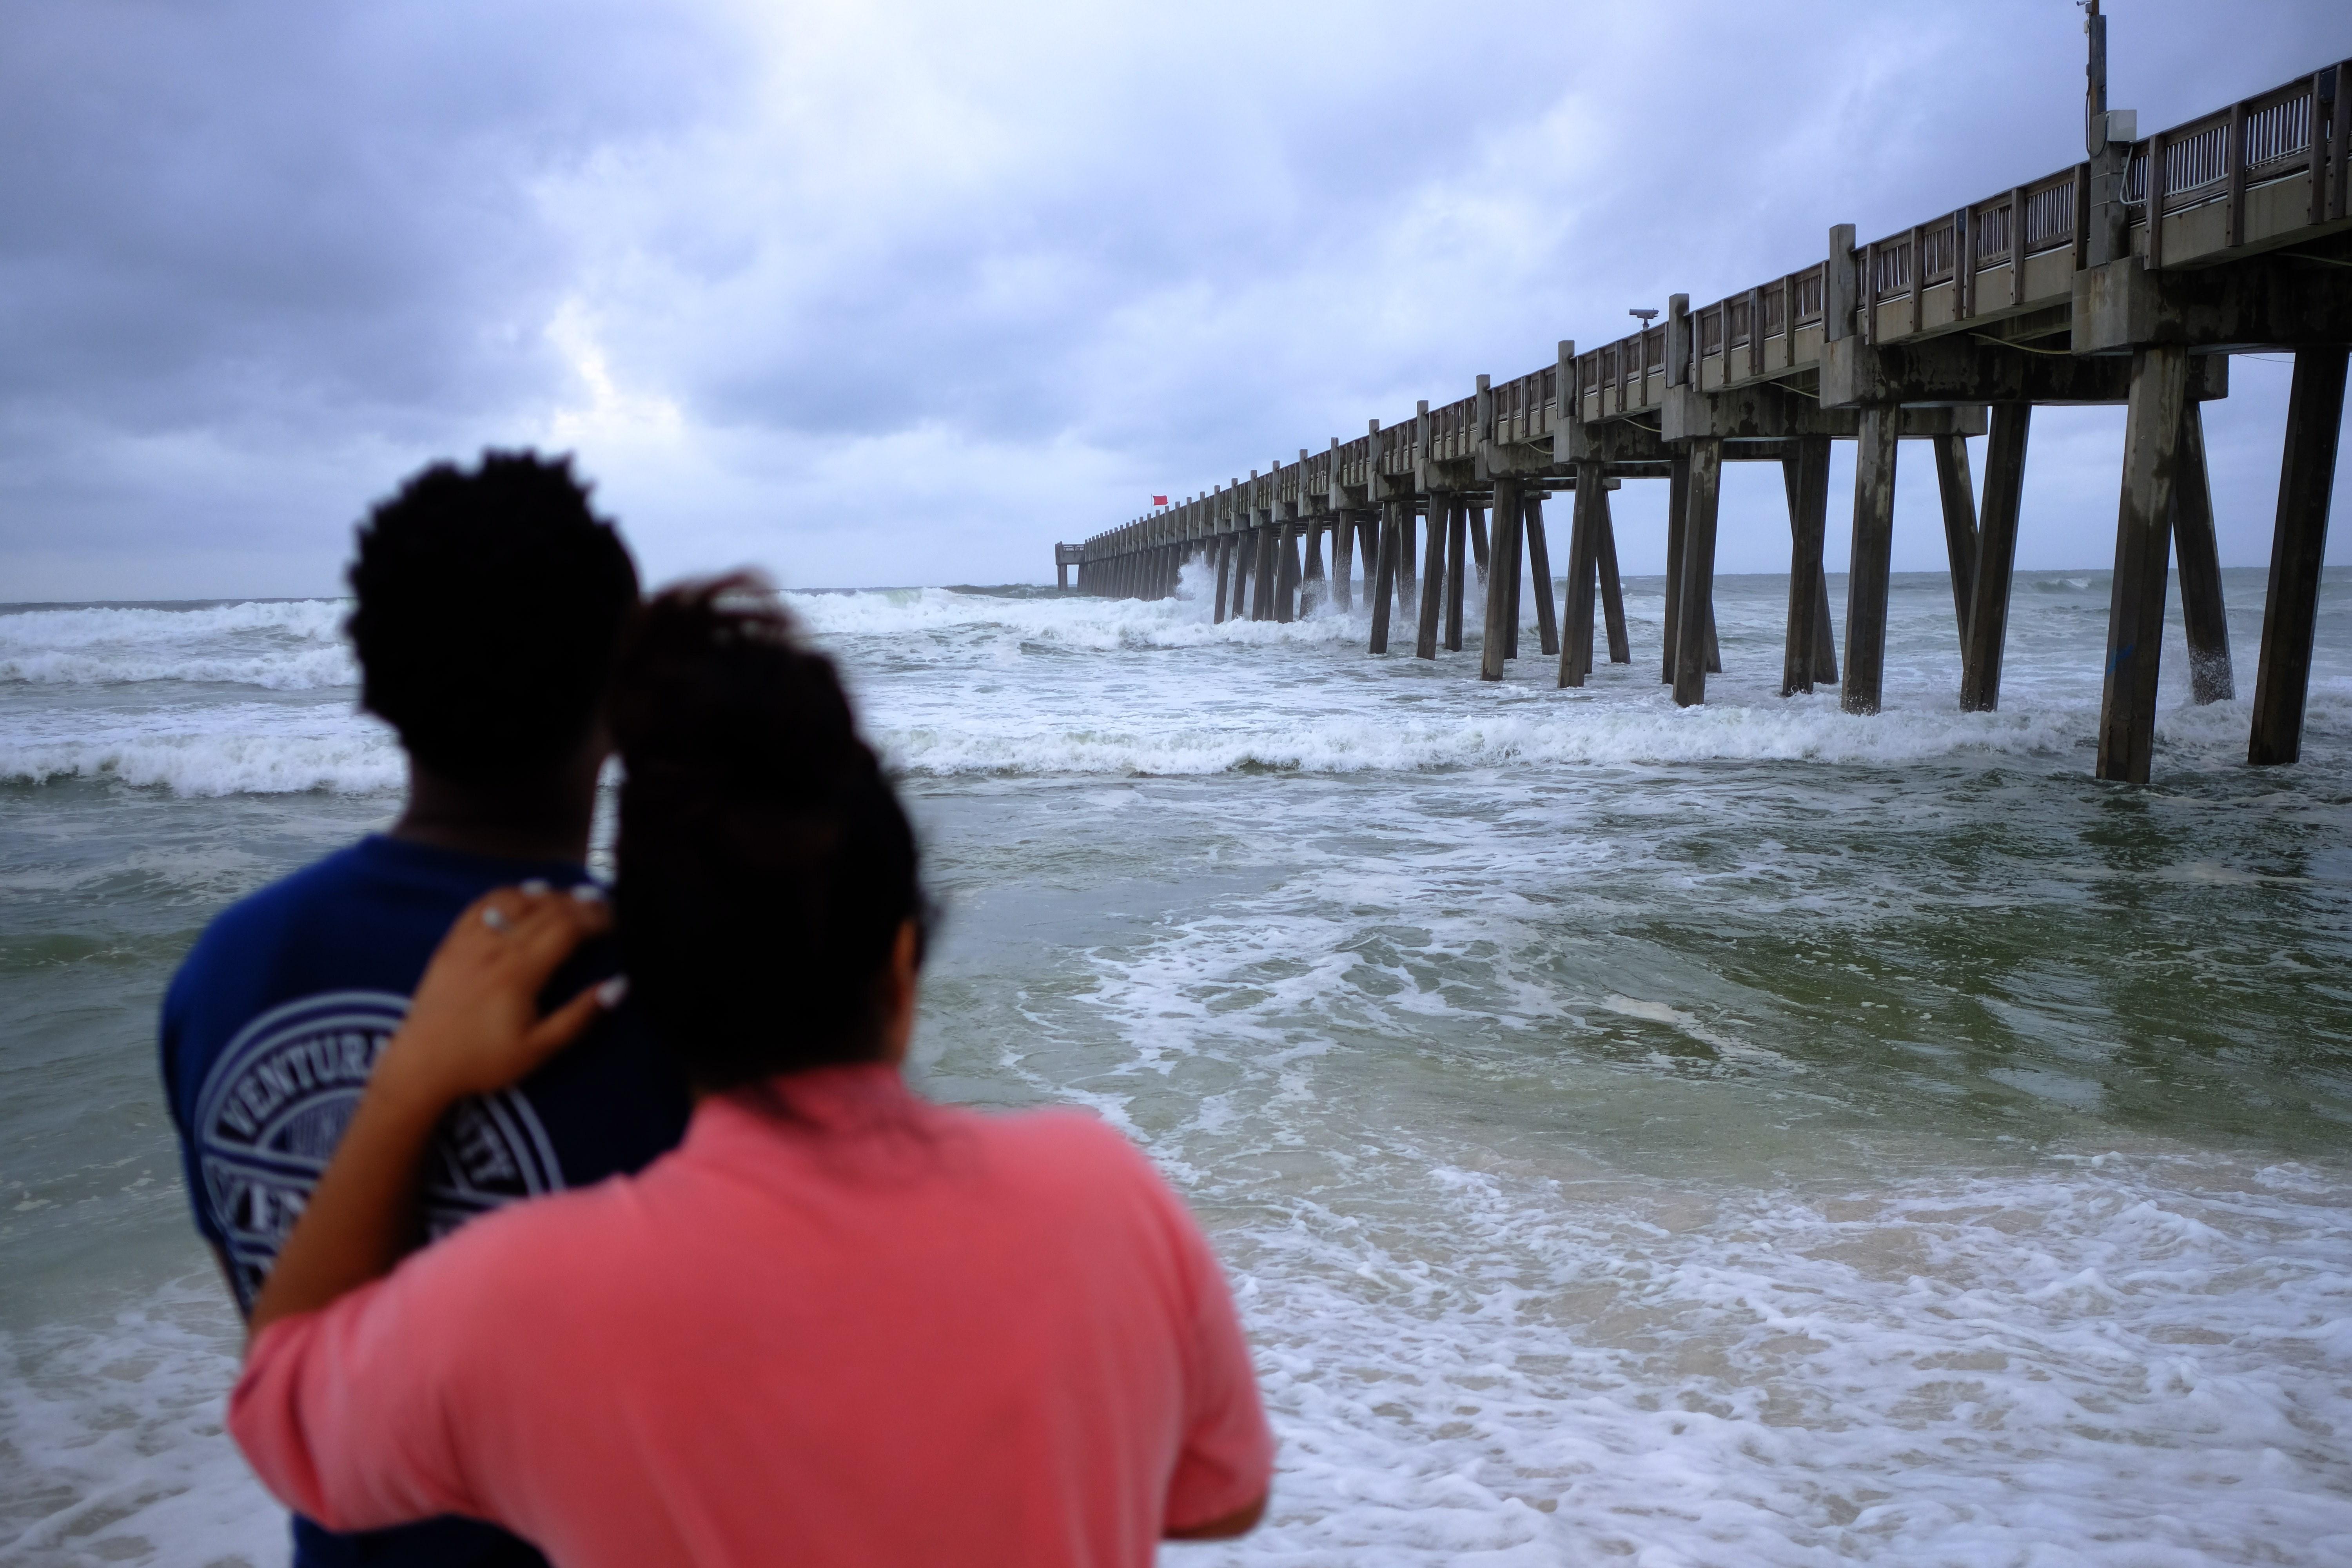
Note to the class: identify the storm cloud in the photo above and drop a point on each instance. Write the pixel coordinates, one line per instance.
(879, 294)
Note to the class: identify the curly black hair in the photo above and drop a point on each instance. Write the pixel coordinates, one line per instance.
(490, 603)
(764, 863)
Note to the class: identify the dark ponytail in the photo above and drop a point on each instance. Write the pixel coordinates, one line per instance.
(765, 864)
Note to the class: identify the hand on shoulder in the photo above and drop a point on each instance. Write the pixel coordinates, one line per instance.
(474, 1025)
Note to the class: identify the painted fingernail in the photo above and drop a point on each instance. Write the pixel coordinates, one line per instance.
(609, 995)
(534, 887)
(588, 892)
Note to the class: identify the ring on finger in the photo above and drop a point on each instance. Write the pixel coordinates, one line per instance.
(496, 917)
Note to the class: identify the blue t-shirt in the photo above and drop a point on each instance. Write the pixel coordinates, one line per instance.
(269, 1030)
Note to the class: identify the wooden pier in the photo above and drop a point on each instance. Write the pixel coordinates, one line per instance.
(2127, 279)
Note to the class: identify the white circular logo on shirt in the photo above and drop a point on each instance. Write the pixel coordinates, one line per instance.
(275, 1105)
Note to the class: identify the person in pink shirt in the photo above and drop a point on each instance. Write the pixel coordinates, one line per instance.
(839, 1325)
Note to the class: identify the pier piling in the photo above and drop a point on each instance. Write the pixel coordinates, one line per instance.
(2315, 421)
(2159, 387)
(1694, 617)
(1954, 487)
(1613, 589)
(1988, 618)
(1456, 569)
(1433, 577)
(1585, 526)
(1539, 578)
(1502, 571)
(2202, 612)
(1876, 446)
(1805, 475)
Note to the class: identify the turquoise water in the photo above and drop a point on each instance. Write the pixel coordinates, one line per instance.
(1747, 1134)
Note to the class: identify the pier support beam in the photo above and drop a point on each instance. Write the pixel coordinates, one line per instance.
(1876, 444)
(2159, 388)
(1478, 528)
(1384, 577)
(1408, 588)
(1805, 475)
(1613, 588)
(1503, 570)
(1694, 603)
(1539, 577)
(1319, 590)
(1986, 629)
(1458, 567)
(2314, 423)
(1677, 530)
(1513, 565)
(1285, 573)
(1432, 581)
(1343, 548)
(1266, 582)
(1958, 492)
(1585, 526)
(2202, 612)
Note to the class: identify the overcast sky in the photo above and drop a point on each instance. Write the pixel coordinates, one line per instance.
(903, 292)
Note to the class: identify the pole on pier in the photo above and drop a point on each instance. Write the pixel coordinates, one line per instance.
(1221, 550)
(1612, 590)
(1539, 577)
(1987, 627)
(1876, 446)
(2315, 422)
(1384, 578)
(1678, 532)
(2202, 612)
(1805, 475)
(1583, 570)
(1458, 567)
(1432, 581)
(1477, 529)
(1694, 603)
(1503, 569)
(2159, 388)
(1953, 483)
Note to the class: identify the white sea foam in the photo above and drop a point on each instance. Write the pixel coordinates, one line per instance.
(1482, 1343)
(115, 1451)
(2144, 1363)
(230, 749)
(286, 645)
(960, 683)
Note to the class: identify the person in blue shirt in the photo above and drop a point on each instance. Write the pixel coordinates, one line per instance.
(489, 603)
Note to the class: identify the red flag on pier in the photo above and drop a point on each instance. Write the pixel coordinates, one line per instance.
(1159, 501)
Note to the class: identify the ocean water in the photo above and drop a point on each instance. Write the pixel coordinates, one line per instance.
(1746, 1135)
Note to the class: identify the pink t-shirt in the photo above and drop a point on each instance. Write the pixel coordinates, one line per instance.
(872, 1330)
